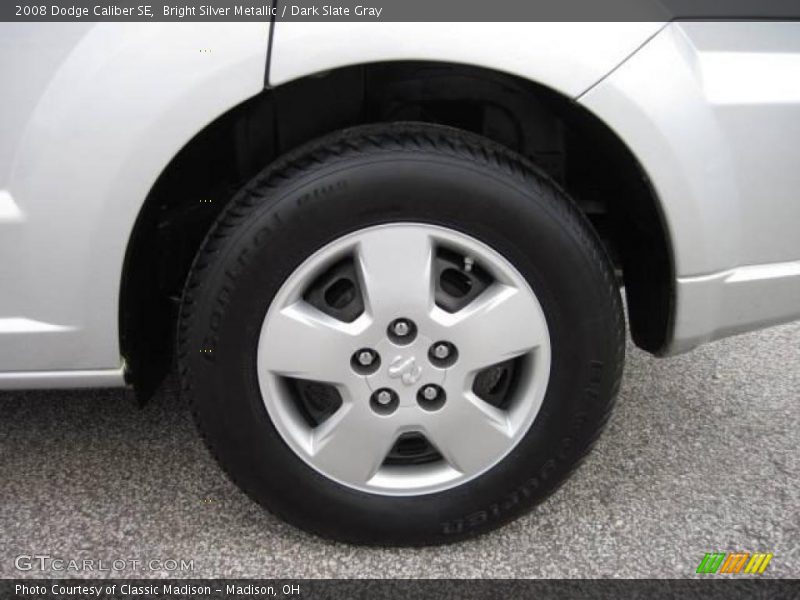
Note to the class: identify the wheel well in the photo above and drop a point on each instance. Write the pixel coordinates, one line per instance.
(576, 149)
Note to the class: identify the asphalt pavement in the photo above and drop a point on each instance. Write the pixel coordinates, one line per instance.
(702, 455)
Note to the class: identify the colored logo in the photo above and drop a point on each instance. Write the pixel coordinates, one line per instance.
(735, 562)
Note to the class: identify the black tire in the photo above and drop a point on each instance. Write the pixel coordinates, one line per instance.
(380, 174)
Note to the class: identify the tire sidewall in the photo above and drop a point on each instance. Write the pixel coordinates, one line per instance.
(256, 250)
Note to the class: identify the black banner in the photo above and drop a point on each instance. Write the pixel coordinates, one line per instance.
(378, 589)
(397, 10)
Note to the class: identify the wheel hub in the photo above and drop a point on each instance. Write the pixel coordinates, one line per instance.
(405, 369)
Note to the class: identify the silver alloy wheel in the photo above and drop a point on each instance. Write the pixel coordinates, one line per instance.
(394, 265)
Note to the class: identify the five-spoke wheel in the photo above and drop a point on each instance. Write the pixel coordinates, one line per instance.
(437, 312)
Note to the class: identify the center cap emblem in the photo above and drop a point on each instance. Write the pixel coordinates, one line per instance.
(405, 369)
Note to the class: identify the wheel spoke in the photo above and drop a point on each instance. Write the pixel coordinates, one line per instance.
(304, 343)
(502, 323)
(469, 433)
(352, 444)
(396, 271)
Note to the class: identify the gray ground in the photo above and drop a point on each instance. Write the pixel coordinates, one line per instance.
(701, 455)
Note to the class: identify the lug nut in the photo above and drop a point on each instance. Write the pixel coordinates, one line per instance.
(441, 351)
(402, 331)
(431, 397)
(443, 354)
(384, 401)
(429, 392)
(365, 361)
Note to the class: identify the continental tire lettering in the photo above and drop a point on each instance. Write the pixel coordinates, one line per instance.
(595, 372)
(221, 302)
(322, 191)
(510, 501)
(242, 257)
(528, 489)
(477, 518)
(451, 527)
(547, 469)
(262, 234)
(564, 447)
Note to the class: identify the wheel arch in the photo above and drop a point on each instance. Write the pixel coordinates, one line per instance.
(563, 138)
